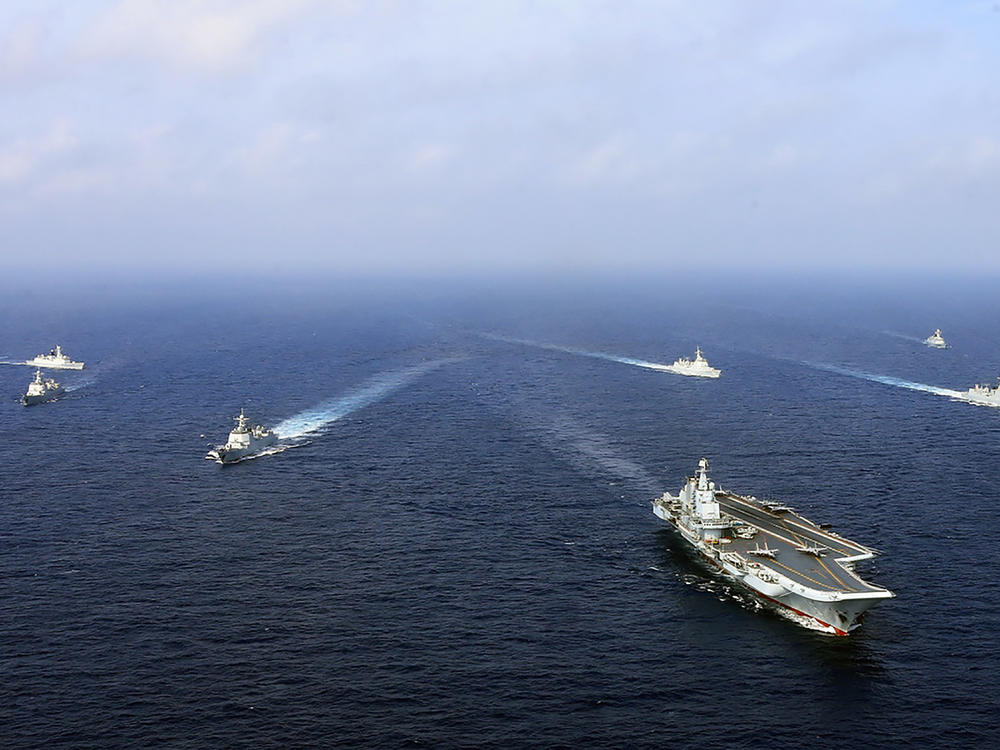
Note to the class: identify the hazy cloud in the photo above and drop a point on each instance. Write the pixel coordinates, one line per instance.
(506, 133)
(211, 36)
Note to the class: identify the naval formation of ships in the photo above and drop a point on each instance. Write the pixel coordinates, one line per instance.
(42, 389)
(787, 561)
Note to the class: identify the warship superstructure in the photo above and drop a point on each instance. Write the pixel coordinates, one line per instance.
(697, 367)
(246, 439)
(982, 395)
(55, 360)
(41, 390)
(936, 340)
(775, 553)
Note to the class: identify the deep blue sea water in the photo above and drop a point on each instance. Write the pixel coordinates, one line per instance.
(459, 549)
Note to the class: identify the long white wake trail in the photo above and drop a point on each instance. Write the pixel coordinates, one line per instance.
(904, 336)
(887, 380)
(377, 388)
(581, 352)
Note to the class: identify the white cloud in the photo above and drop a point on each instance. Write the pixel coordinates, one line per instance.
(612, 161)
(21, 160)
(464, 111)
(975, 158)
(431, 156)
(75, 180)
(276, 149)
(20, 48)
(214, 36)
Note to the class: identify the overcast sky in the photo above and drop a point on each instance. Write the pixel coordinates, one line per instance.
(512, 135)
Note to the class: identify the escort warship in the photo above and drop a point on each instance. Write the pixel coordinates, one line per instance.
(41, 390)
(779, 556)
(936, 340)
(245, 440)
(982, 395)
(698, 367)
(55, 360)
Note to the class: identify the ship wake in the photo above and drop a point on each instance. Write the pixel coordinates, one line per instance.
(887, 380)
(587, 448)
(82, 383)
(582, 352)
(904, 336)
(317, 418)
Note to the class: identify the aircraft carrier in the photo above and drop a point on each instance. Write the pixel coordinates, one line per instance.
(802, 568)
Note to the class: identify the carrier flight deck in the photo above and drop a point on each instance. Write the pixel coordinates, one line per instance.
(788, 534)
(779, 555)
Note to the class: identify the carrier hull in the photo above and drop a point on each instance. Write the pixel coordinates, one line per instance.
(787, 561)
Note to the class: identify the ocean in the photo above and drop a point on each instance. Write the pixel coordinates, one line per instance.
(455, 546)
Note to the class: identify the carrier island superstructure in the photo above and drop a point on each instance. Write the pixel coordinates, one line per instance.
(775, 553)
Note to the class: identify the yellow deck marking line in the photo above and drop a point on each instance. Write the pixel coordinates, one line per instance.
(818, 532)
(785, 539)
(793, 570)
(849, 588)
(788, 528)
(803, 575)
(798, 541)
(819, 559)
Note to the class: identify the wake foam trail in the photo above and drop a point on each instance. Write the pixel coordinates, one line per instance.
(581, 352)
(903, 336)
(887, 380)
(315, 419)
(82, 383)
(596, 448)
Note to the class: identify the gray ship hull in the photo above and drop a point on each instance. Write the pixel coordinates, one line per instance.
(224, 455)
(831, 617)
(50, 365)
(41, 399)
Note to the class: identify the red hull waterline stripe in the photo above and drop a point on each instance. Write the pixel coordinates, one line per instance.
(753, 591)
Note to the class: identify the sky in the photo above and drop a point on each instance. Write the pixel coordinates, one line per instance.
(499, 136)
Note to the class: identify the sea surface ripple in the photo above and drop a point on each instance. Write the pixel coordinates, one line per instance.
(464, 554)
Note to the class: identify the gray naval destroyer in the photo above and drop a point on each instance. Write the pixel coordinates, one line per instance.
(775, 553)
(245, 440)
(697, 367)
(55, 360)
(936, 340)
(41, 390)
(981, 395)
